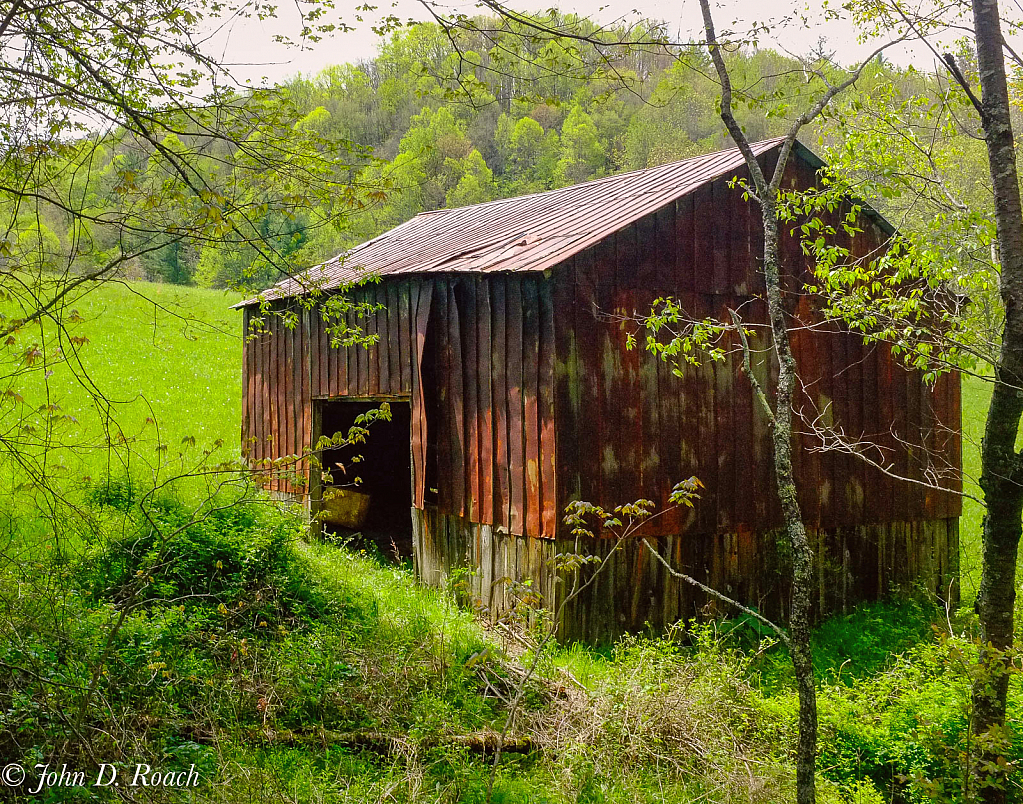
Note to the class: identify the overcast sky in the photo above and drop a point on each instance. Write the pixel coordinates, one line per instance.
(248, 46)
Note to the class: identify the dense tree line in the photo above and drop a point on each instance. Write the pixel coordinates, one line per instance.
(432, 121)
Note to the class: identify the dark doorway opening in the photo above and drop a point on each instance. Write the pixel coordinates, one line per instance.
(381, 467)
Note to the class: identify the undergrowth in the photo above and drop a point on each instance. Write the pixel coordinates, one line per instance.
(151, 630)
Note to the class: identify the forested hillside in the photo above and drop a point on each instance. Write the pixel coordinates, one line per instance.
(439, 121)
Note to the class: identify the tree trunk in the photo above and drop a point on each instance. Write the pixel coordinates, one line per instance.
(999, 479)
(802, 554)
(781, 416)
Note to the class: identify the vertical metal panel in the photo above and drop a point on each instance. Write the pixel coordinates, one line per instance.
(405, 338)
(367, 323)
(683, 282)
(305, 442)
(468, 336)
(592, 423)
(568, 376)
(700, 398)
(516, 439)
(350, 358)
(901, 498)
(311, 353)
(456, 476)
(376, 324)
(266, 344)
(724, 428)
(668, 442)
(530, 403)
(625, 387)
(270, 369)
(502, 491)
(739, 252)
(285, 413)
(443, 369)
(875, 482)
(853, 370)
(546, 382)
(320, 355)
(420, 293)
(610, 372)
(842, 471)
(393, 340)
(485, 412)
(764, 493)
(720, 239)
(294, 409)
(279, 379)
(248, 392)
(747, 449)
(741, 266)
(252, 348)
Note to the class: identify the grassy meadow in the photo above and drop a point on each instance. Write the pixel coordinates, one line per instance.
(289, 670)
(167, 357)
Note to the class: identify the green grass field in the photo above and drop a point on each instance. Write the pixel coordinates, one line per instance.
(168, 357)
(976, 394)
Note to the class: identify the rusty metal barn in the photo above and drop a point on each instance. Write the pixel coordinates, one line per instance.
(502, 354)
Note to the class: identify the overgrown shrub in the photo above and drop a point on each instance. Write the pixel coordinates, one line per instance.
(226, 556)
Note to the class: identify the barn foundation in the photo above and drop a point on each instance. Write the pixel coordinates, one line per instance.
(635, 593)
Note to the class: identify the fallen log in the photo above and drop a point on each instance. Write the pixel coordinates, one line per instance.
(481, 742)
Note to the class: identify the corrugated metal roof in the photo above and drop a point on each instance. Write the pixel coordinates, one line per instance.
(526, 233)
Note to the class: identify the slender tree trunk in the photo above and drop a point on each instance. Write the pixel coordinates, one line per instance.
(1000, 465)
(802, 554)
(781, 417)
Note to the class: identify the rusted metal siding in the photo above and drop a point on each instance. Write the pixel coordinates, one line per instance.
(276, 408)
(291, 362)
(628, 427)
(385, 367)
(538, 401)
(491, 345)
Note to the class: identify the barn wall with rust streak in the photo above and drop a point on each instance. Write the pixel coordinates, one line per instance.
(628, 427)
(538, 402)
(489, 346)
(276, 406)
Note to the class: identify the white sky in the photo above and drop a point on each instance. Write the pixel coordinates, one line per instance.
(248, 46)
